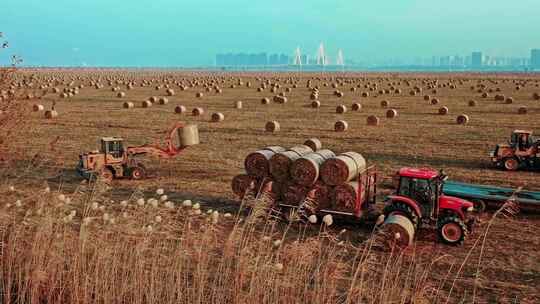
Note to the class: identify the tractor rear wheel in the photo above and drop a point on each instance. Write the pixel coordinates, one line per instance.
(137, 173)
(402, 209)
(106, 175)
(511, 164)
(452, 230)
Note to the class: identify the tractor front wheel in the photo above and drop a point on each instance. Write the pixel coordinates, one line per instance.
(452, 230)
(137, 173)
(511, 164)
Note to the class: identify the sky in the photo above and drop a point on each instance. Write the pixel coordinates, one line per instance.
(190, 33)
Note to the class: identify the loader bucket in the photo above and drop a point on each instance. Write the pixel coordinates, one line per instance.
(188, 136)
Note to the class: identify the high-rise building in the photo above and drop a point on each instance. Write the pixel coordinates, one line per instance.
(535, 58)
(476, 59)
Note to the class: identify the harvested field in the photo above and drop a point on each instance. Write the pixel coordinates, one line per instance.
(418, 136)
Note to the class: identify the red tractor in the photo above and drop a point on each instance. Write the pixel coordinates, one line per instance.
(419, 198)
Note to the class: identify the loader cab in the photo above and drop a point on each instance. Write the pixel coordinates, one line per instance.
(521, 140)
(423, 186)
(113, 146)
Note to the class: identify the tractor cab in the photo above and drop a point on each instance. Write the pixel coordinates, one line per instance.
(423, 186)
(521, 140)
(112, 146)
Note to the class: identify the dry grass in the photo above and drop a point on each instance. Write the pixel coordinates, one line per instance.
(187, 258)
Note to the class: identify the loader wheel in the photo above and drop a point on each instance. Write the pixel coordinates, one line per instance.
(452, 230)
(402, 209)
(106, 175)
(511, 164)
(137, 173)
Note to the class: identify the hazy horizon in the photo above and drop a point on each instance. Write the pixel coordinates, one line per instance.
(167, 33)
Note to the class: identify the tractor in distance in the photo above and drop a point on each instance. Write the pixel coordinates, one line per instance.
(419, 201)
(522, 151)
(116, 161)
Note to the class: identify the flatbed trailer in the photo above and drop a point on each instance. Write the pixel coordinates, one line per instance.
(492, 196)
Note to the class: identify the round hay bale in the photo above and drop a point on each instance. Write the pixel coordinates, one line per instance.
(522, 110)
(341, 109)
(314, 143)
(385, 104)
(373, 120)
(294, 194)
(344, 196)
(365, 94)
(128, 105)
(443, 110)
(180, 109)
(314, 96)
(509, 100)
(265, 101)
(198, 111)
(170, 92)
(305, 170)
(272, 126)
(462, 119)
(258, 163)
(280, 99)
(243, 182)
(341, 126)
(260, 89)
(121, 95)
(536, 96)
(146, 104)
(434, 101)
(238, 105)
(199, 95)
(319, 193)
(315, 104)
(342, 168)
(51, 114)
(472, 103)
(399, 230)
(391, 113)
(153, 99)
(485, 95)
(217, 117)
(280, 163)
(163, 100)
(356, 106)
(427, 97)
(37, 108)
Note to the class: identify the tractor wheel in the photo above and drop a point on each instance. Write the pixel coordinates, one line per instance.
(106, 175)
(137, 173)
(511, 164)
(402, 209)
(452, 230)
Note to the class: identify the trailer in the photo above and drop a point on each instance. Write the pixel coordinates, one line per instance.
(492, 196)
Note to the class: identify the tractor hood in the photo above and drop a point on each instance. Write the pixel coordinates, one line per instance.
(451, 202)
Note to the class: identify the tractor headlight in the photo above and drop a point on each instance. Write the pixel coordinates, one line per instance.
(470, 209)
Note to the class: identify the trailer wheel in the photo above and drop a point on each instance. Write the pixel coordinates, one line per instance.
(511, 164)
(401, 209)
(452, 230)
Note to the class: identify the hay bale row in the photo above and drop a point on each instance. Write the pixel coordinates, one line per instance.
(280, 163)
(305, 170)
(258, 163)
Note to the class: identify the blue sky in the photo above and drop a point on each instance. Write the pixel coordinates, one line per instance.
(190, 33)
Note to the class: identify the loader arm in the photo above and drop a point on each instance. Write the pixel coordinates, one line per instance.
(169, 151)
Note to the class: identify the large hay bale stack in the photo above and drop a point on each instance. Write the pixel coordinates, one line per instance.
(272, 126)
(258, 163)
(462, 119)
(342, 168)
(305, 170)
(217, 117)
(280, 163)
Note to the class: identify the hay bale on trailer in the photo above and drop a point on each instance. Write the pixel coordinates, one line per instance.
(305, 170)
(314, 143)
(319, 194)
(342, 168)
(280, 163)
(258, 163)
(294, 194)
(242, 183)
